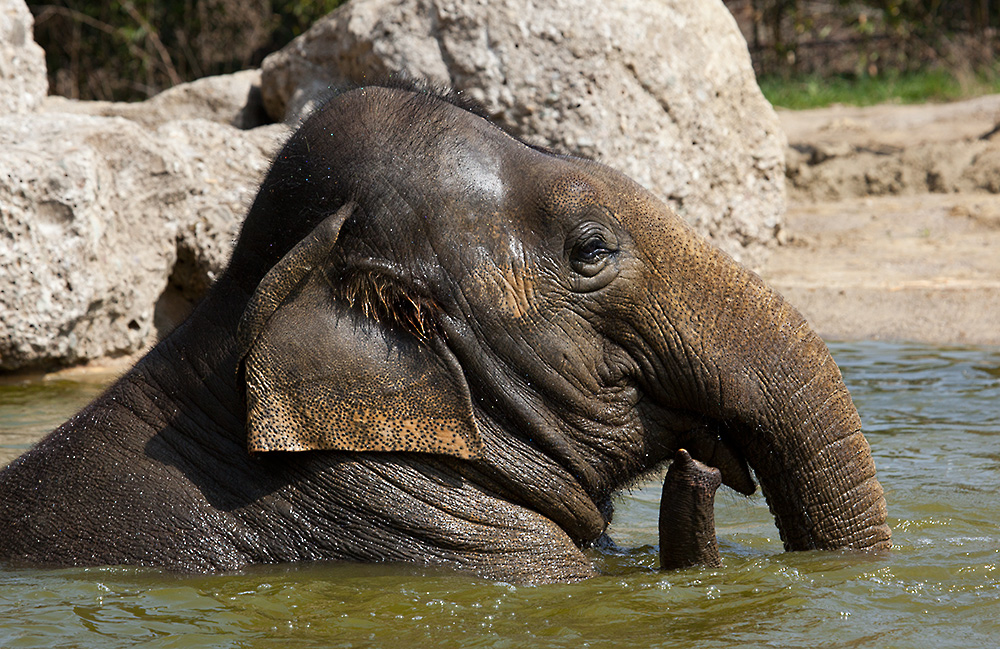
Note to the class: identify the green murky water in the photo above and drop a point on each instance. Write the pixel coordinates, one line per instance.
(932, 416)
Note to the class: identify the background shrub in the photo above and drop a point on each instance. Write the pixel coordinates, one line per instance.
(131, 50)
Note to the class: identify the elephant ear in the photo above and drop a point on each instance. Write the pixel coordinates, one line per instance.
(322, 373)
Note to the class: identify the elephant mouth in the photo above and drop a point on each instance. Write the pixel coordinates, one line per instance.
(709, 443)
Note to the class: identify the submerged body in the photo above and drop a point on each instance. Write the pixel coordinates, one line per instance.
(436, 344)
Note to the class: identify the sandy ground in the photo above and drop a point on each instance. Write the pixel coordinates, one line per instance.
(914, 265)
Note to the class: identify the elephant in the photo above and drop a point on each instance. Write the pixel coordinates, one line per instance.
(436, 344)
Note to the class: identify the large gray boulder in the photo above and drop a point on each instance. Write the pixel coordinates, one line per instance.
(662, 90)
(23, 80)
(104, 219)
(88, 242)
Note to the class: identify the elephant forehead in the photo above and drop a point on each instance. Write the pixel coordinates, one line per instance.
(570, 191)
(472, 172)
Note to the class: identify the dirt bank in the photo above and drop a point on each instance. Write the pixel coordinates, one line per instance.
(893, 228)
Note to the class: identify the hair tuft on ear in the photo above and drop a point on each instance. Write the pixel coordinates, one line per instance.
(384, 300)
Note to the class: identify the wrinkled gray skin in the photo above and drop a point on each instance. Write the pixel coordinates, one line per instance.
(687, 514)
(496, 337)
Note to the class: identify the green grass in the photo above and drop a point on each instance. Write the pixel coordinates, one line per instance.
(903, 88)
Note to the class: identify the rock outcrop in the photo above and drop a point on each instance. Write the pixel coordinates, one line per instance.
(99, 213)
(662, 90)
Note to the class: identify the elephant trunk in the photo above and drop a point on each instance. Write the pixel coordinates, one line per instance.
(793, 420)
(776, 398)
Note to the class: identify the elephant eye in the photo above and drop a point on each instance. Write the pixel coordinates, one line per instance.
(593, 245)
(591, 250)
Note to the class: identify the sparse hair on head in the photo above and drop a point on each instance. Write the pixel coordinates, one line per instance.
(423, 89)
(419, 87)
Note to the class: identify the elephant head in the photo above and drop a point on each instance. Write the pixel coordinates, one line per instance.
(424, 283)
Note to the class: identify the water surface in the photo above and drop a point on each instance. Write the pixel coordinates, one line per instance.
(932, 416)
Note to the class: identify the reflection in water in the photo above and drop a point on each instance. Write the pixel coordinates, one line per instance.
(932, 417)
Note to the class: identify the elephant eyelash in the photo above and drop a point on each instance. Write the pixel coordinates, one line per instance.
(383, 300)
